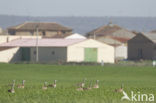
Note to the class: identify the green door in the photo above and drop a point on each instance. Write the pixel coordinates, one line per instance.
(25, 54)
(90, 54)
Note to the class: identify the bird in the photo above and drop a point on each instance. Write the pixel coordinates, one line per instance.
(53, 85)
(120, 89)
(88, 88)
(82, 84)
(97, 84)
(21, 86)
(45, 86)
(12, 90)
(80, 89)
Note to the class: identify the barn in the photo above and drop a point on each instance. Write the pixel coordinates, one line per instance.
(142, 46)
(114, 35)
(55, 50)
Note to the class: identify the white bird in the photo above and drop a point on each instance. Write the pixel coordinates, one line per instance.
(125, 96)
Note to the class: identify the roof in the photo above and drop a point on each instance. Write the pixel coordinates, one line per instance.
(41, 25)
(113, 30)
(154, 31)
(113, 40)
(151, 36)
(41, 42)
(75, 36)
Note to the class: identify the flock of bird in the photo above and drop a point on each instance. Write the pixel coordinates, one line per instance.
(81, 86)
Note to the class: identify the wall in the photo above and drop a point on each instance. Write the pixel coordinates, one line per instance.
(5, 38)
(76, 52)
(137, 43)
(49, 54)
(10, 55)
(121, 52)
(47, 33)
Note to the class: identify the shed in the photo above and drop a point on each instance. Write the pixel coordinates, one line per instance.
(142, 46)
(64, 50)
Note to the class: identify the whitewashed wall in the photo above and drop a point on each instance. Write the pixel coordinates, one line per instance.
(75, 52)
(121, 52)
(10, 55)
(7, 38)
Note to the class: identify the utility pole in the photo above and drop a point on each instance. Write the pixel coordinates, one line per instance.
(94, 35)
(37, 43)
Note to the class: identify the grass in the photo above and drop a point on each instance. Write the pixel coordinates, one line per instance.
(141, 78)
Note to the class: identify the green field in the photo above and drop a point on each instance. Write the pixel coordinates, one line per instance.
(141, 78)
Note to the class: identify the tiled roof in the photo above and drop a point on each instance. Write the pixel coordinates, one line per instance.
(41, 42)
(123, 40)
(111, 30)
(41, 25)
(111, 40)
(151, 36)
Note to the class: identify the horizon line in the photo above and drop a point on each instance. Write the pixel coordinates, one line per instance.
(77, 16)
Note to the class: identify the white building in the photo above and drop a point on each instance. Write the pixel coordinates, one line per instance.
(55, 50)
(75, 36)
(119, 44)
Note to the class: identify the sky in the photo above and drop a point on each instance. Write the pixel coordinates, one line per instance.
(133, 8)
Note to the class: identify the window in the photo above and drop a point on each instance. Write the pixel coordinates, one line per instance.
(43, 33)
(34, 52)
(63, 32)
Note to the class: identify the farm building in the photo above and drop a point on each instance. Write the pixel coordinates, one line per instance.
(119, 44)
(110, 30)
(55, 50)
(52, 30)
(8, 38)
(75, 36)
(142, 46)
(113, 35)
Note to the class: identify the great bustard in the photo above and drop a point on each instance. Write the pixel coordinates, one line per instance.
(82, 84)
(45, 86)
(12, 90)
(97, 84)
(88, 88)
(22, 85)
(53, 85)
(120, 89)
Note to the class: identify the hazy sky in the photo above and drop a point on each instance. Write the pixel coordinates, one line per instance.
(79, 7)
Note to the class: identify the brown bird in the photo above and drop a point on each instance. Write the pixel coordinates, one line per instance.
(97, 84)
(120, 89)
(12, 90)
(53, 85)
(82, 84)
(88, 88)
(45, 86)
(22, 85)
